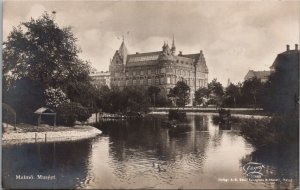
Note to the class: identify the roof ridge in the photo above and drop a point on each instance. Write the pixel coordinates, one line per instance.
(145, 53)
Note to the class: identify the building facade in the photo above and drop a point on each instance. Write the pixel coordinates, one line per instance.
(100, 78)
(263, 76)
(161, 68)
(281, 59)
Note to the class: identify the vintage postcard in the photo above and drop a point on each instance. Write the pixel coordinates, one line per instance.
(150, 94)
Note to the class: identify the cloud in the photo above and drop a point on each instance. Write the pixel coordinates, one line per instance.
(234, 36)
(36, 10)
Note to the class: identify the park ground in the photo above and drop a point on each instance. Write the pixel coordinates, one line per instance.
(25, 133)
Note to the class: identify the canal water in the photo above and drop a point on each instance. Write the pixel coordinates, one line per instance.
(142, 154)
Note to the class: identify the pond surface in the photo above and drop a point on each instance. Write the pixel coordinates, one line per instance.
(142, 154)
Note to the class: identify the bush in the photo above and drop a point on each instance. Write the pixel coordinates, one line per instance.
(68, 113)
(279, 130)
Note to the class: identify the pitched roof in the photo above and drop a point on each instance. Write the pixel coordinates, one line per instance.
(282, 57)
(123, 50)
(138, 59)
(262, 74)
(257, 74)
(191, 56)
(144, 54)
(43, 110)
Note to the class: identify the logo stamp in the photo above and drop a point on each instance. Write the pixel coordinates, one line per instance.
(253, 170)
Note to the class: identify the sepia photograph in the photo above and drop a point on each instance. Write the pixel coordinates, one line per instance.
(150, 94)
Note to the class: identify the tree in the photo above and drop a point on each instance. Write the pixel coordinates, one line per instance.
(40, 54)
(153, 91)
(136, 100)
(217, 92)
(201, 95)
(181, 93)
(216, 87)
(40, 50)
(127, 100)
(232, 93)
(252, 91)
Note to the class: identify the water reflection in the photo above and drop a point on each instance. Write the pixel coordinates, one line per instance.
(280, 165)
(67, 161)
(140, 154)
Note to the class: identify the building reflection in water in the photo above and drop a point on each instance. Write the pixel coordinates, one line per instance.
(140, 145)
(141, 154)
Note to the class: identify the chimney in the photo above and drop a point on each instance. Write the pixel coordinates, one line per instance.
(287, 47)
(296, 46)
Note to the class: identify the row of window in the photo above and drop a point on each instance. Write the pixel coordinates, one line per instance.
(160, 71)
(154, 77)
(157, 81)
(182, 62)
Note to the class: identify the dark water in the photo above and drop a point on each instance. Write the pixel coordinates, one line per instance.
(129, 154)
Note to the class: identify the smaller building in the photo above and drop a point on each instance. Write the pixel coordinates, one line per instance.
(286, 57)
(100, 78)
(290, 56)
(263, 76)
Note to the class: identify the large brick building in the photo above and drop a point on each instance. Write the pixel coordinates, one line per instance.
(100, 78)
(161, 68)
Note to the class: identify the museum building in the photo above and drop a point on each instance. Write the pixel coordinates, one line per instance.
(161, 68)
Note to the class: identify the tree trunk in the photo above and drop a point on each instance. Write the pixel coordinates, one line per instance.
(254, 102)
(234, 101)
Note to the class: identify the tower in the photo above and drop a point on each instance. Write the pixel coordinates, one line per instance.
(173, 48)
(123, 52)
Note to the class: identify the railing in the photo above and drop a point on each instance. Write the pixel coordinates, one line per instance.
(202, 109)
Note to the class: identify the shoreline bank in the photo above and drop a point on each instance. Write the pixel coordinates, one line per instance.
(60, 134)
(241, 111)
(213, 113)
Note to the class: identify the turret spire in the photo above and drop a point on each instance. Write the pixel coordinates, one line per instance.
(173, 48)
(123, 52)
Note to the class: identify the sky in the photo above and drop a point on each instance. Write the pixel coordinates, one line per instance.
(235, 36)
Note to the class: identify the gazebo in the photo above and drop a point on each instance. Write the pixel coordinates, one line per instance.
(45, 111)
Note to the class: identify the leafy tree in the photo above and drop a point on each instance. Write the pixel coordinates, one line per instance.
(39, 55)
(161, 100)
(252, 91)
(201, 95)
(136, 100)
(232, 93)
(69, 112)
(181, 94)
(40, 50)
(100, 96)
(26, 96)
(55, 97)
(127, 100)
(217, 92)
(153, 92)
(216, 88)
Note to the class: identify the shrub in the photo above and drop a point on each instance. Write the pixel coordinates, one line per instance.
(279, 130)
(68, 113)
